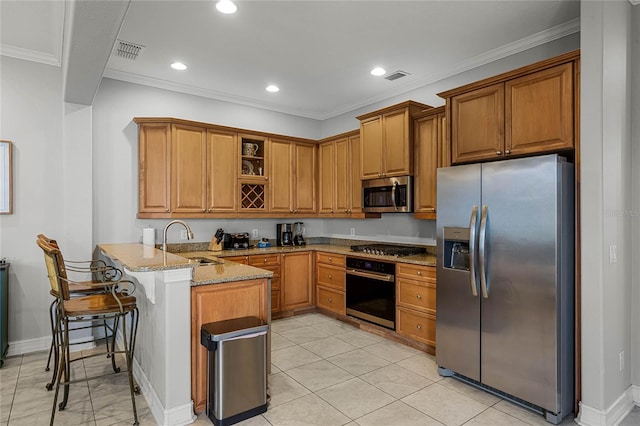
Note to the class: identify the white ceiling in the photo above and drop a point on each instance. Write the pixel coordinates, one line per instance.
(318, 52)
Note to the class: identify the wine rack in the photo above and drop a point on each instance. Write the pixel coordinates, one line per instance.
(253, 196)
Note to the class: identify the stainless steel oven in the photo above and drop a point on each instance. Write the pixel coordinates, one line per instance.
(387, 195)
(371, 291)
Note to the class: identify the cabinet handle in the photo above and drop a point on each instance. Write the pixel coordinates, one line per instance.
(499, 152)
(419, 296)
(419, 327)
(507, 151)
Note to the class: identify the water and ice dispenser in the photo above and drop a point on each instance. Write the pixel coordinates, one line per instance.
(456, 248)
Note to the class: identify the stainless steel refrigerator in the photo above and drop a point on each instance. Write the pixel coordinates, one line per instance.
(505, 263)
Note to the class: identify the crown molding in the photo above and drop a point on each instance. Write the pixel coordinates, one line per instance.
(634, 2)
(30, 55)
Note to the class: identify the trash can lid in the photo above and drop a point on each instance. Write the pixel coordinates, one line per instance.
(221, 330)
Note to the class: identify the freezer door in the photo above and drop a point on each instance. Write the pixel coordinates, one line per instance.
(519, 238)
(457, 298)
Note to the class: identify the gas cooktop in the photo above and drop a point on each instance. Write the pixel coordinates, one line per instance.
(388, 249)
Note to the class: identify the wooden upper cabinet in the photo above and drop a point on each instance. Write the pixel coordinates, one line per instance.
(305, 196)
(221, 171)
(386, 140)
(427, 157)
(342, 187)
(477, 129)
(539, 111)
(354, 168)
(531, 110)
(188, 169)
(326, 177)
(154, 156)
(339, 175)
(281, 176)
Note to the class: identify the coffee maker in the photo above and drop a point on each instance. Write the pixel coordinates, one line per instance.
(284, 234)
(298, 230)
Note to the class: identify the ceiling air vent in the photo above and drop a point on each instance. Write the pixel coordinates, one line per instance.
(396, 75)
(128, 50)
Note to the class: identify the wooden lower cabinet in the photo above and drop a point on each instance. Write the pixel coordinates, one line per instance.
(296, 283)
(217, 302)
(330, 282)
(416, 302)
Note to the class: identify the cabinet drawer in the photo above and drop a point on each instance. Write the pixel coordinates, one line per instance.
(275, 300)
(414, 272)
(275, 283)
(266, 260)
(417, 295)
(330, 259)
(418, 326)
(240, 259)
(331, 300)
(331, 277)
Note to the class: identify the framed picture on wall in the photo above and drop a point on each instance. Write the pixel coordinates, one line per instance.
(6, 177)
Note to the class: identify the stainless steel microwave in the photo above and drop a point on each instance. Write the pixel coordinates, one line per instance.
(388, 195)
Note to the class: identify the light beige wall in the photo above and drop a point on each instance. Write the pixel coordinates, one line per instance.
(635, 197)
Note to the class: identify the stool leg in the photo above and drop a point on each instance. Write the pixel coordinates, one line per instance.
(52, 339)
(54, 344)
(116, 321)
(66, 365)
(60, 370)
(129, 355)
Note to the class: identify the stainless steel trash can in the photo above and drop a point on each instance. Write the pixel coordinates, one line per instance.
(236, 369)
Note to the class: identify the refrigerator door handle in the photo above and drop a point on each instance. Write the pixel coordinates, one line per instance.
(472, 251)
(482, 240)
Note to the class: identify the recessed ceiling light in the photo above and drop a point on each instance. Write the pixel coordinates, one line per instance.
(377, 71)
(226, 6)
(273, 88)
(178, 66)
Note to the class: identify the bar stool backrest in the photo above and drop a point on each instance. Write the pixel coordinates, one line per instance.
(55, 269)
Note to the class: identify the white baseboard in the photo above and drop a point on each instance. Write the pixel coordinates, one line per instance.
(182, 415)
(614, 414)
(27, 346)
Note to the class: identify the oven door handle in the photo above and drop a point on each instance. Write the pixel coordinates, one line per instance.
(373, 275)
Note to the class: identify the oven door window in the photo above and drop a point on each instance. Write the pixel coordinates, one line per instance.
(372, 300)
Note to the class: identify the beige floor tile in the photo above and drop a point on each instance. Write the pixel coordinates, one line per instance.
(472, 392)
(525, 415)
(493, 417)
(253, 421)
(283, 388)
(358, 362)
(355, 397)
(303, 335)
(309, 410)
(633, 418)
(422, 364)
(391, 351)
(292, 357)
(397, 413)
(396, 381)
(359, 338)
(334, 328)
(76, 413)
(315, 319)
(319, 375)
(328, 347)
(445, 405)
(285, 324)
(280, 342)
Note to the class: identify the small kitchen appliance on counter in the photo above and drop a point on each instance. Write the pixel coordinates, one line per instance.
(284, 234)
(298, 231)
(236, 241)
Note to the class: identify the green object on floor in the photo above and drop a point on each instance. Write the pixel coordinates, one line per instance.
(4, 309)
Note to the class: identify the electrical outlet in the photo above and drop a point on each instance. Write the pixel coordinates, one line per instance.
(613, 255)
(183, 234)
(254, 233)
(621, 359)
(353, 231)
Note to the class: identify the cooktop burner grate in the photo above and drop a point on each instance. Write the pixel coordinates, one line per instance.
(388, 249)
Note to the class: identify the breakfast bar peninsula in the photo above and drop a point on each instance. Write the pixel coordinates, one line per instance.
(175, 296)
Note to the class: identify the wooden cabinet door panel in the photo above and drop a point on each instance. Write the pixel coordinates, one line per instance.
(477, 127)
(539, 111)
(188, 169)
(330, 259)
(154, 153)
(281, 176)
(221, 171)
(371, 148)
(296, 280)
(341, 187)
(421, 327)
(332, 300)
(397, 134)
(356, 182)
(326, 177)
(304, 180)
(416, 295)
(244, 298)
(427, 141)
(331, 276)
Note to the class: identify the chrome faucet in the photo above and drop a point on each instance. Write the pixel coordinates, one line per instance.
(164, 233)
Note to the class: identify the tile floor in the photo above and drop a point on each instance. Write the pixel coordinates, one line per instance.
(324, 372)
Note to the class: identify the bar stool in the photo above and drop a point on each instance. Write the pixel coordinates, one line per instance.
(115, 305)
(102, 273)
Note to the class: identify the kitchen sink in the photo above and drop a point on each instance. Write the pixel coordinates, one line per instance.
(206, 260)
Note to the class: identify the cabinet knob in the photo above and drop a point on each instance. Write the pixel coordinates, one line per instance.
(329, 299)
(419, 327)
(204, 210)
(265, 260)
(498, 152)
(346, 210)
(331, 259)
(330, 277)
(166, 210)
(266, 178)
(295, 211)
(419, 273)
(419, 296)
(507, 151)
(291, 211)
